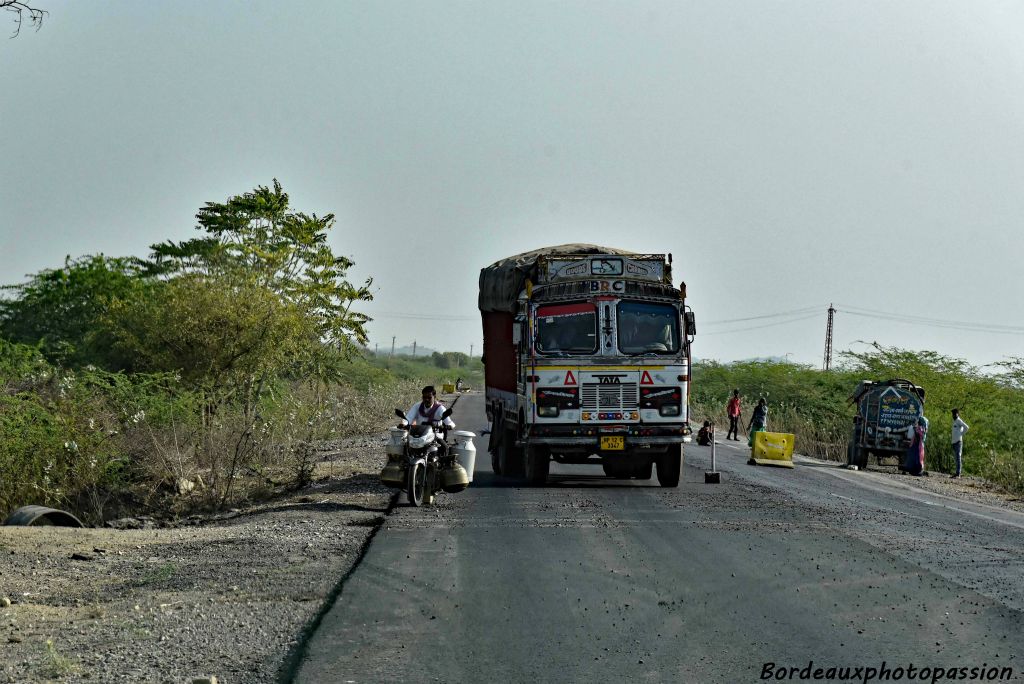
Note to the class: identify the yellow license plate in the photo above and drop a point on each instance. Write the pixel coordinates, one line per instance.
(613, 443)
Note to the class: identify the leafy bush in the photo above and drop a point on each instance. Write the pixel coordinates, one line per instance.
(69, 437)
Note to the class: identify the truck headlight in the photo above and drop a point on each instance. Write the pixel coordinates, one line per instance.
(669, 410)
(547, 411)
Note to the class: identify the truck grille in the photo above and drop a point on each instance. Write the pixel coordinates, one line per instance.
(596, 396)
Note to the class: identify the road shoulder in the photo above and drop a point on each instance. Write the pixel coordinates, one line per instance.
(228, 597)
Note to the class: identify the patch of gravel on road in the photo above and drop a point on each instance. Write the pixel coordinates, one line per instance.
(967, 488)
(226, 596)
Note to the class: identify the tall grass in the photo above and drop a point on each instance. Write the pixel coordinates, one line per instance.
(105, 445)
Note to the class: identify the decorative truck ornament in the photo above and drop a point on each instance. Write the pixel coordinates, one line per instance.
(587, 360)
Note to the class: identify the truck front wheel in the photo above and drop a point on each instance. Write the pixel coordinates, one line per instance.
(538, 464)
(494, 445)
(862, 458)
(510, 457)
(669, 466)
(644, 470)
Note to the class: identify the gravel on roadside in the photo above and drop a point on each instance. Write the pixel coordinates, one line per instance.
(966, 488)
(227, 596)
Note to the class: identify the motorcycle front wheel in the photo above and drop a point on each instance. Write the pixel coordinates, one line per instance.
(417, 485)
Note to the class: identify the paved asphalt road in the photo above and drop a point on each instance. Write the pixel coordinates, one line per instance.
(593, 579)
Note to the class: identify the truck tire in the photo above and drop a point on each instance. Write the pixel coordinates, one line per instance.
(538, 464)
(494, 444)
(862, 458)
(669, 466)
(510, 457)
(644, 470)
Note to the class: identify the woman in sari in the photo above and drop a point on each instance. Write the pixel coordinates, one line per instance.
(913, 462)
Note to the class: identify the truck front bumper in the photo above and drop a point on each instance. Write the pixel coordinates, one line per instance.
(636, 436)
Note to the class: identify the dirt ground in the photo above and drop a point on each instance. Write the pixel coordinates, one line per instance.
(227, 596)
(966, 488)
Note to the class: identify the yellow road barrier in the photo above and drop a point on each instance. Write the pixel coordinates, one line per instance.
(448, 388)
(772, 448)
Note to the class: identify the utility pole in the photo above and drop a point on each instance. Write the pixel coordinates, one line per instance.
(375, 345)
(392, 346)
(827, 365)
(470, 351)
(414, 348)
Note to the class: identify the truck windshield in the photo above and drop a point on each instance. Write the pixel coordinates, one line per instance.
(648, 328)
(567, 329)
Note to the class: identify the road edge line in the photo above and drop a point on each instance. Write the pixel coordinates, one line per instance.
(296, 654)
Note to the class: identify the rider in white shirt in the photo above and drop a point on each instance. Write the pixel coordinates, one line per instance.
(428, 411)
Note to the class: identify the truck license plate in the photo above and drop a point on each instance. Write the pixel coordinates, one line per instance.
(613, 443)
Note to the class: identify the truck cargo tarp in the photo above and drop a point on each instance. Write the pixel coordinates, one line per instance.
(502, 281)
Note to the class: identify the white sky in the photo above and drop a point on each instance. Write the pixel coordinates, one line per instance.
(789, 154)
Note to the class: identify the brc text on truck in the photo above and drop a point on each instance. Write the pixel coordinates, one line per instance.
(586, 360)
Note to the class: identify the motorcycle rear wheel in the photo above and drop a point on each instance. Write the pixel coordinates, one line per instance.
(416, 487)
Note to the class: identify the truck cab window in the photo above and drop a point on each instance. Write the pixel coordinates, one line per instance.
(567, 329)
(648, 328)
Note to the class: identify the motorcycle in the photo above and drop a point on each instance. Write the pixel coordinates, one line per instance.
(422, 462)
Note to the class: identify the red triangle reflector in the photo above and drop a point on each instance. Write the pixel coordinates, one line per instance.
(645, 379)
(570, 379)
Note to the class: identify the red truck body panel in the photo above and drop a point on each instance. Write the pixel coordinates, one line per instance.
(499, 351)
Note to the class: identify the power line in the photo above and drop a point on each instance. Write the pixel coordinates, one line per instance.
(756, 318)
(806, 317)
(932, 322)
(421, 317)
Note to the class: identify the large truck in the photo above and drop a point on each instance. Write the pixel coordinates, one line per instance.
(885, 411)
(586, 360)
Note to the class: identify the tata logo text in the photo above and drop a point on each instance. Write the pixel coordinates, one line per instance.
(610, 379)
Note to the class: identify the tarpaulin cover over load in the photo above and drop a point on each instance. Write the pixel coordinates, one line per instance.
(502, 281)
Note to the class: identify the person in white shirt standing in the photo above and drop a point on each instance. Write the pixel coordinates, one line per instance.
(959, 428)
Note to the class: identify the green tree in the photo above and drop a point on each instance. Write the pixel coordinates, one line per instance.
(225, 338)
(60, 309)
(256, 239)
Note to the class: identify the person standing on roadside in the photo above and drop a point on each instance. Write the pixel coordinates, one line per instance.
(959, 428)
(758, 420)
(734, 410)
(913, 462)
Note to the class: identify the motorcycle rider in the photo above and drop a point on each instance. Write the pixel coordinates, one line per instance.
(428, 411)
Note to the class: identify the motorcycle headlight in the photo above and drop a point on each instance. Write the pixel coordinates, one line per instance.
(547, 411)
(669, 410)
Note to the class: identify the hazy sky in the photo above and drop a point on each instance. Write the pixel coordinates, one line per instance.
(789, 154)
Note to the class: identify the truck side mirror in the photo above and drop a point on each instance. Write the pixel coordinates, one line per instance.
(691, 324)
